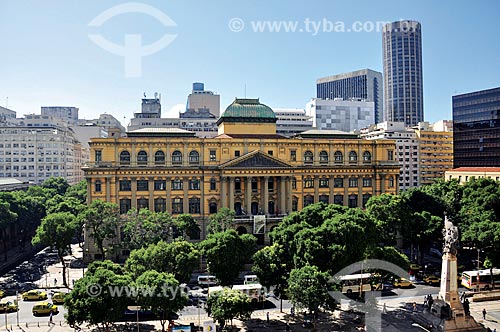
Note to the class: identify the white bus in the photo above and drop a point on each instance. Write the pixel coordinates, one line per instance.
(207, 280)
(480, 279)
(356, 283)
(254, 291)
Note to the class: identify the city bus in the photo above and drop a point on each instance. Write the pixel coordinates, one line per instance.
(354, 283)
(254, 291)
(480, 279)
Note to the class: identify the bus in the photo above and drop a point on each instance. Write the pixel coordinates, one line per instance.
(254, 291)
(207, 280)
(354, 283)
(480, 279)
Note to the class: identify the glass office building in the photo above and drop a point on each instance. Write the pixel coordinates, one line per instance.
(476, 129)
(403, 85)
(365, 84)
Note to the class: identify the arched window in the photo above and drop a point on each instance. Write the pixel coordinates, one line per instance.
(324, 198)
(338, 157)
(124, 158)
(142, 203)
(142, 158)
(160, 205)
(367, 156)
(308, 200)
(194, 157)
(308, 157)
(323, 157)
(159, 158)
(212, 207)
(353, 156)
(176, 157)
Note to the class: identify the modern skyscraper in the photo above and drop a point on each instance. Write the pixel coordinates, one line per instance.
(403, 84)
(476, 128)
(364, 84)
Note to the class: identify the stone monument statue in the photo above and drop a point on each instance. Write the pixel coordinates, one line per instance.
(447, 312)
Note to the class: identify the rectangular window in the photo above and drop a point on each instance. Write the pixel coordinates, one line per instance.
(309, 183)
(194, 205)
(353, 182)
(177, 206)
(213, 184)
(194, 184)
(212, 155)
(125, 185)
(270, 152)
(160, 184)
(98, 186)
(293, 155)
(390, 154)
(177, 184)
(367, 182)
(237, 153)
(323, 183)
(338, 183)
(142, 185)
(98, 156)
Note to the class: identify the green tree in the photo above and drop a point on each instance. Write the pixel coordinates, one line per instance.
(57, 230)
(101, 220)
(226, 252)
(65, 204)
(161, 294)
(228, 304)
(78, 191)
(308, 289)
(94, 300)
(188, 226)
(144, 227)
(221, 221)
(59, 185)
(7, 218)
(179, 258)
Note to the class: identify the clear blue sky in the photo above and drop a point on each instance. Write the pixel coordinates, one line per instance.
(47, 58)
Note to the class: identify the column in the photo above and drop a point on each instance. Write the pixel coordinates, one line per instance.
(266, 194)
(108, 189)
(168, 188)
(248, 195)
(133, 184)
(282, 195)
(185, 156)
(331, 183)
(223, 195)
(289, 191)
(346, 190)
(316, 189)
(185, 199)
(151, 187)
(89, 191)
(360, 191)
(168, 156)
(151, 155)
(133, 157)
(231, 193)
(382, 183)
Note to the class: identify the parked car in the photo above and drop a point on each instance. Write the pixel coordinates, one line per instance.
(2, 293)
(34, 295)
(432, 280)
(403, 283)
(44, 308)
(8, 306)
(58, 298)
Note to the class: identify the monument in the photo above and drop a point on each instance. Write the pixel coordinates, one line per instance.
(449, 312)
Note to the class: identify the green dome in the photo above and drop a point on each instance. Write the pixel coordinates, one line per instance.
(248, 110)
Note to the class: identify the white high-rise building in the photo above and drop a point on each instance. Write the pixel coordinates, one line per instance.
(339, 114)
(292, 121)
(67, 113)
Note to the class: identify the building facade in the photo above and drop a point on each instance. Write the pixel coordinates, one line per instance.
(464, 174)
(476, 129)
(338, 114)
(67, 113)
(435, 150)
(292, 121)
(199, 99)
(403, 79)
(247, 168)
(365, 84)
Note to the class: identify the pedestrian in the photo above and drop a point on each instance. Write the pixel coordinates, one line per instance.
(50, 318)
(414, 306)
(55, 281)
(287, 327)
(384, 309)
(267, 317)
(484, 313)
(292, 311)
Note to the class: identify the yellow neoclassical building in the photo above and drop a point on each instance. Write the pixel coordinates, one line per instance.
(247, 167)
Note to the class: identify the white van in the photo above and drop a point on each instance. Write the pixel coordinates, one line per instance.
(250, 279)
(207, 280)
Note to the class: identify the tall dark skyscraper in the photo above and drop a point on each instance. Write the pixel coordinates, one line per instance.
(476, 129)
(363, 84)
(403, 85)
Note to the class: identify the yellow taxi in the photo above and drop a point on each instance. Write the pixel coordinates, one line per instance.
(34, 295)
(44, 308)
(432, 280)
(402, 283)
(58, 298)
(8, 306)
(2, 293)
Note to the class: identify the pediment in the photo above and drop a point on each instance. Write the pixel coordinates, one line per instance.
(255, 159)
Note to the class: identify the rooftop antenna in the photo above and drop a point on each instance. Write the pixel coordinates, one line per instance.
(144, 94)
